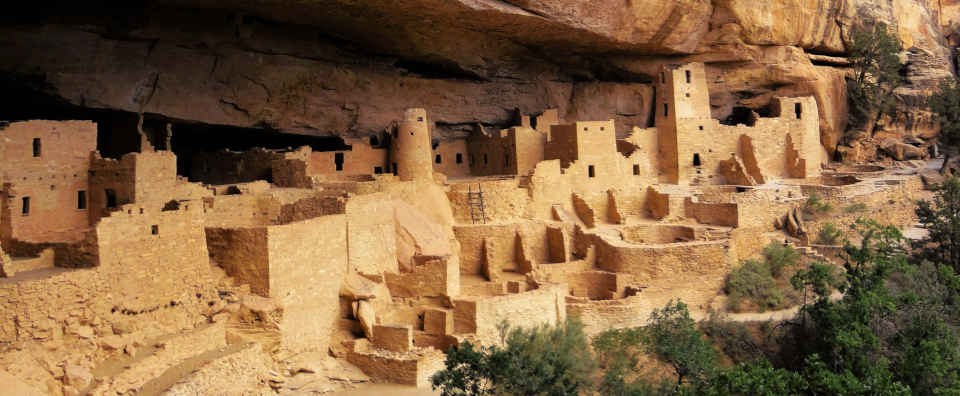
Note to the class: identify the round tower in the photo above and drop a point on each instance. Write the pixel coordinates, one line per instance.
(410, 149)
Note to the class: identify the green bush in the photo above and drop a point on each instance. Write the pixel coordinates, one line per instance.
(538, 361)
(779, 256)
(816, 205)
(752, 281)
(829, 235)
(733, 338)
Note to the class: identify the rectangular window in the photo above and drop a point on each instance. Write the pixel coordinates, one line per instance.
(688, 76)
(438, 159)
(377, 170)
(663, 78)
(81, 200)
(798, 108)
(338, 161)
(395, 169)
(36, 147)
(590, 171)
(665, 107)
(155, 229)
(485, 159)
(636, 169)
(459, 158)
(25, 209)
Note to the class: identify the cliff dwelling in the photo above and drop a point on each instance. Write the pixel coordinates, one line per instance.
(151, 250)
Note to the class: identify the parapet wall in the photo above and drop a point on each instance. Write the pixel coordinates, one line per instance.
(646, 262)
(543, 306)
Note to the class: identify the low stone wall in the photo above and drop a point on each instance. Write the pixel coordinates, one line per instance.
(482, 315)
(646, 262)
(599, 316)
(410, 368)
(721, 214)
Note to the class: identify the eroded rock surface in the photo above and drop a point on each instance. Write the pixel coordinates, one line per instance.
(349, 67)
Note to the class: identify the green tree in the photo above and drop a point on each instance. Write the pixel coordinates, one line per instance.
(945, 103)
(941, 219)
(672, 337)
(541, 361)
(752, 379)
(819, 278)
(874, 57)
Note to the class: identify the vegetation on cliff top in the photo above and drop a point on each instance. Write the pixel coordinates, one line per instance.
(875, 60)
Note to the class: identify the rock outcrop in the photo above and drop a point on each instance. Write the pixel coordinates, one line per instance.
(349, 67)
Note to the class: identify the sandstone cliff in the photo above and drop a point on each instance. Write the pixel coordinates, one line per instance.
(348, 67)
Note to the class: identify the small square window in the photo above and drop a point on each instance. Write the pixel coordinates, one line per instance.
(700, 127)
(420, 119)
(378, 170)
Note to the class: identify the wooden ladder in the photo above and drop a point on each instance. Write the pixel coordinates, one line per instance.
(477, 213)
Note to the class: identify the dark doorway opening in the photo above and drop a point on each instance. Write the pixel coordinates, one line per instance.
(696, 159)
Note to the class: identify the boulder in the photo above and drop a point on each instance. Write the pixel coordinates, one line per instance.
(417, 235)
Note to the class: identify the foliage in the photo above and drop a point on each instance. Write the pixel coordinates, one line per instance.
(749, 379)
(819, 278)
(875, 61)
(674, 339)
(816, 205)
(829, 234)
(945, 104)
(779, 256)
(538, 361)
(618, 353)
(855, 208)
(733, 339)
(752, 281)
(941, 219)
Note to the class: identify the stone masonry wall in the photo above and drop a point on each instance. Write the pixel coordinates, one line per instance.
(308, 260)
(51, 179)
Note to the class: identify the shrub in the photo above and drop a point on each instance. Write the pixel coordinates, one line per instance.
(753, 280)
(733, 338)
(538, 361)
(829, 235)
(778, 257)
(816, 205)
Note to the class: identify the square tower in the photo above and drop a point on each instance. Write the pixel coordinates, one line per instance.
(682, 100)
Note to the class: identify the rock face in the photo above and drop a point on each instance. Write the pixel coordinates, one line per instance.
(349, 67)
